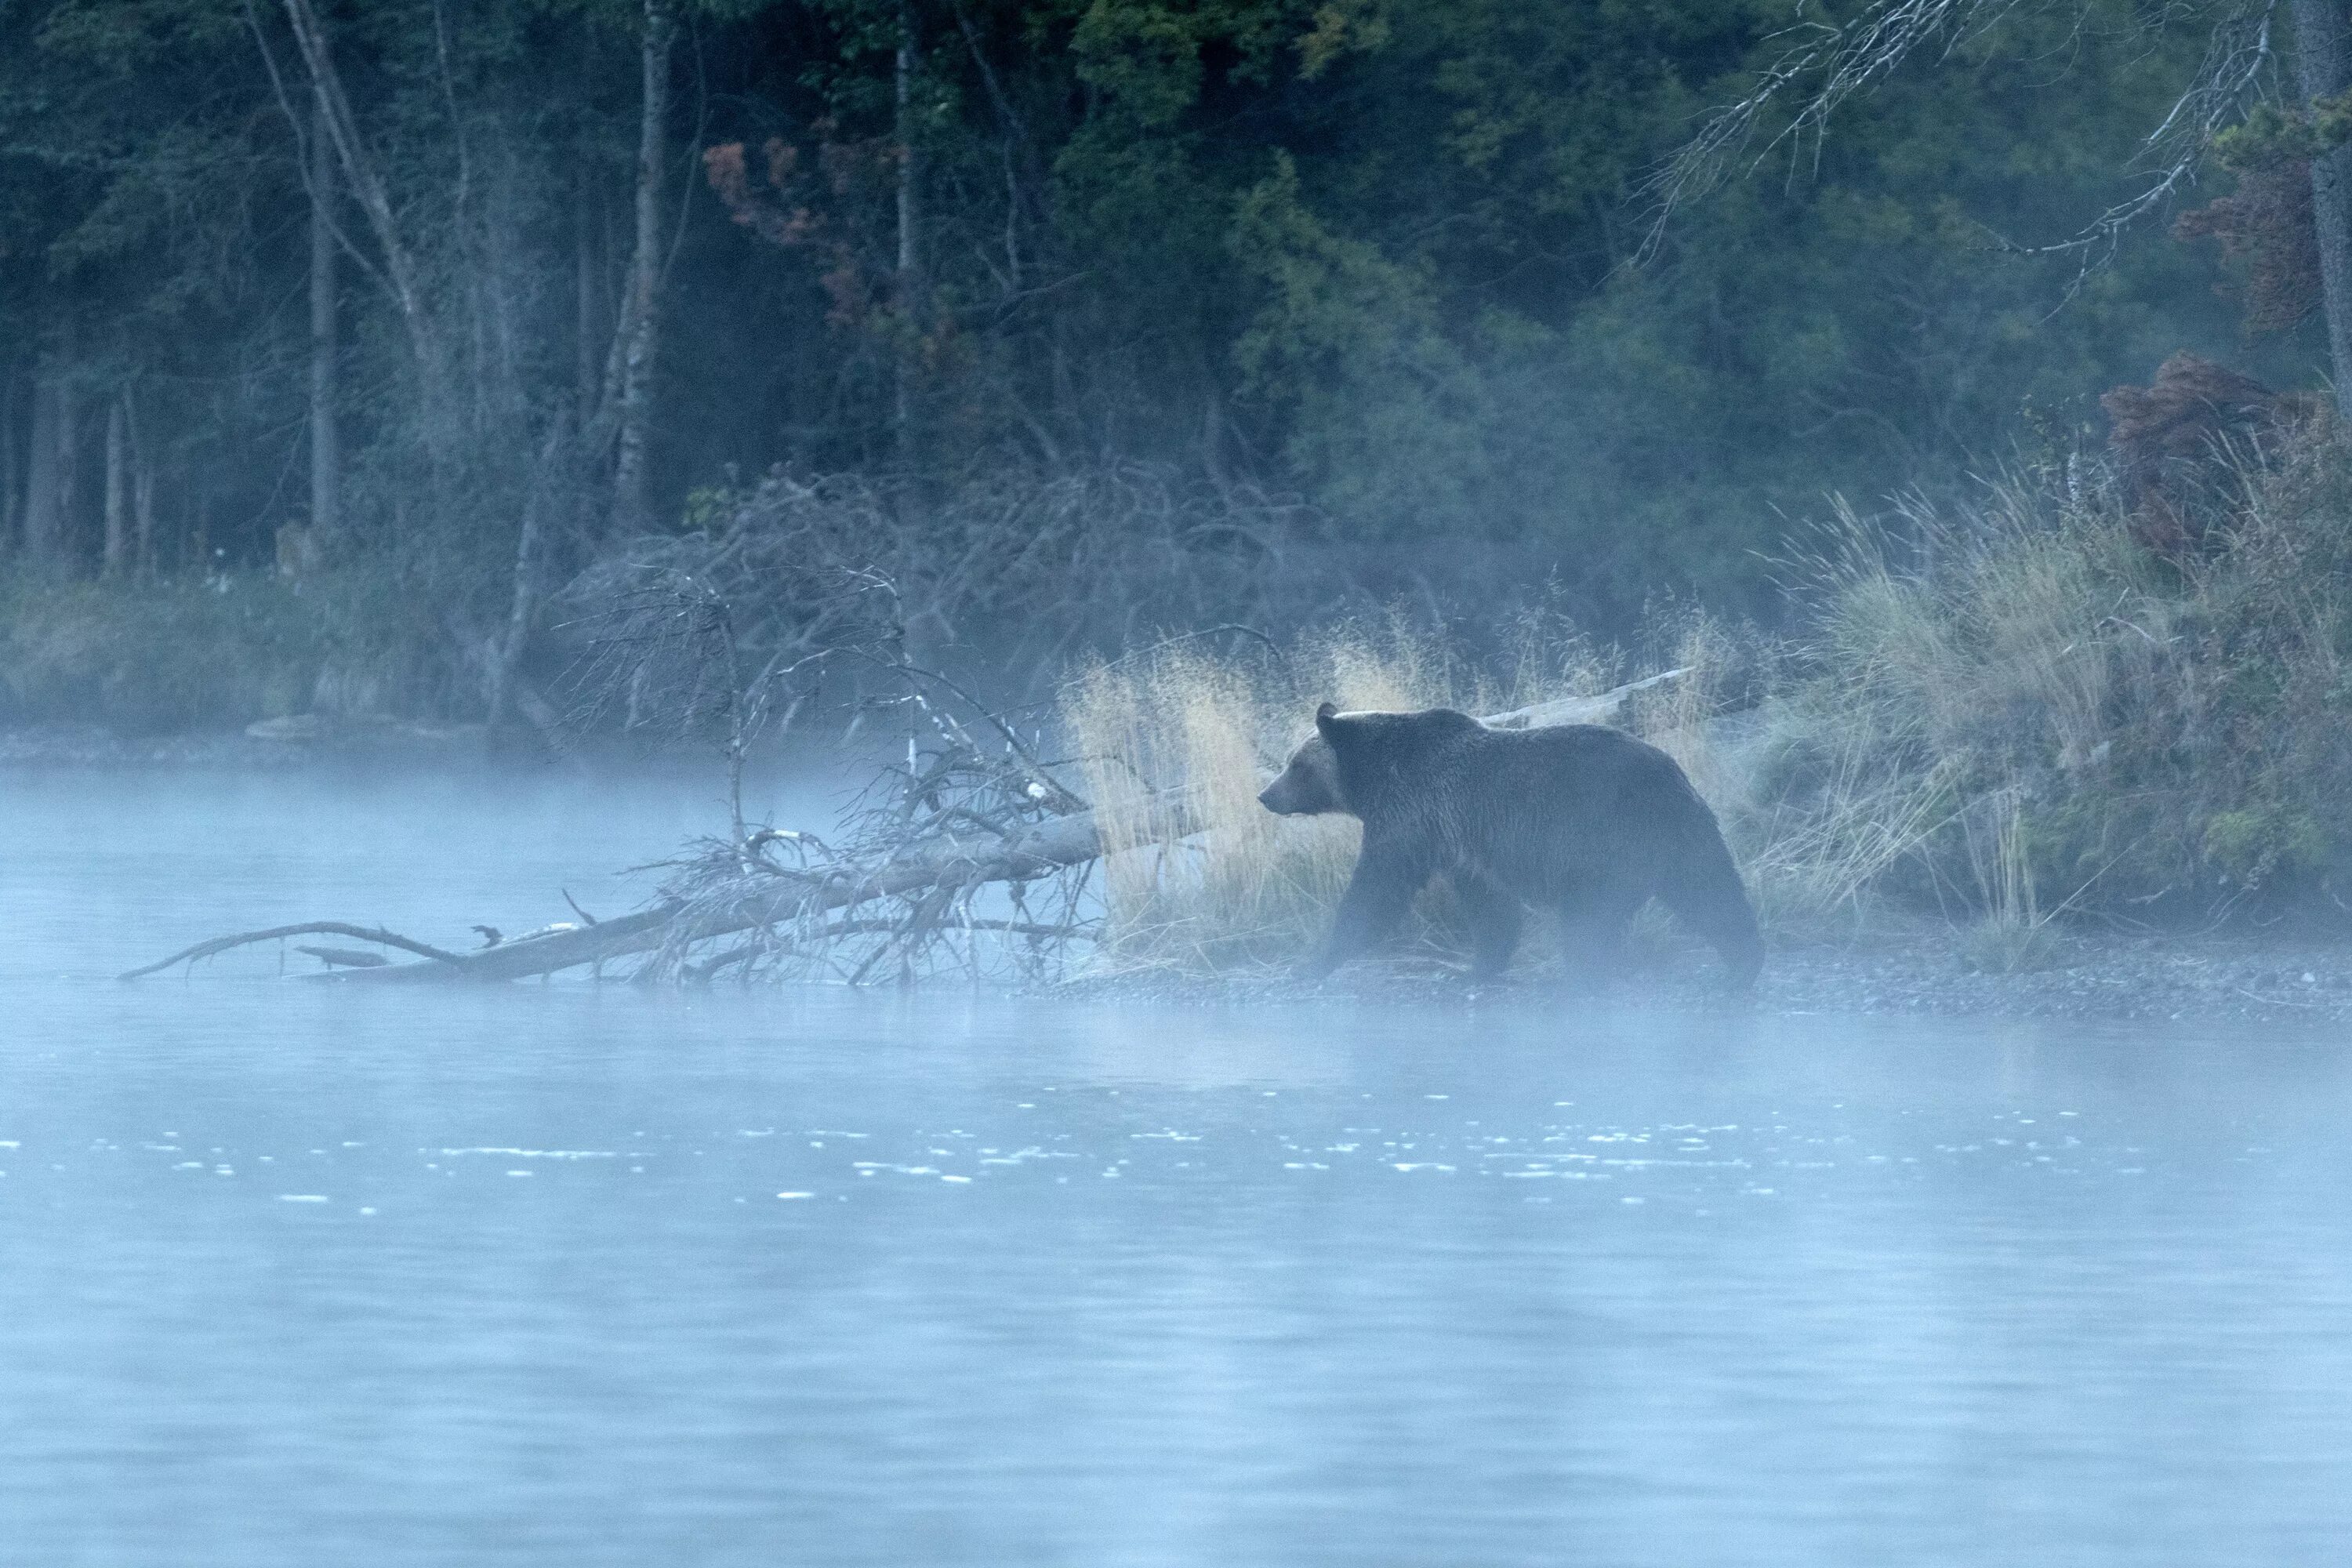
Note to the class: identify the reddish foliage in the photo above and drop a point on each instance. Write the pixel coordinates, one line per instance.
(2171, 440)
(841, 211)
(762, 212)
(2266, 229)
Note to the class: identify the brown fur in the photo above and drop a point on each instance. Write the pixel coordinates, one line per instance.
(1578, 818)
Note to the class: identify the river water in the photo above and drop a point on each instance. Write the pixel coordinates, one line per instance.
(555, 1274)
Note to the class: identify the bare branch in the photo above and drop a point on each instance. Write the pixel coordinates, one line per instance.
(2236, 59)
(1821, 66)
(313, 928)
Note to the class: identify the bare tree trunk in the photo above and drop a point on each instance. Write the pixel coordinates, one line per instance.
(910, 223)
(474, 280)
(505, 660)
(2323, 55)
(49, 471)
(326, 441)
(1017, 148)
(1212, 440)
(117, 557)
(588, 289)
(639, 336)
(142, 489)
(12, 480)
(400, 275)
(510, 262)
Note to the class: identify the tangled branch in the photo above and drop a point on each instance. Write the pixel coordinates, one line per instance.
(1824, 65)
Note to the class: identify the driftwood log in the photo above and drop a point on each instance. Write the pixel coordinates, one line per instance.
(941, 863)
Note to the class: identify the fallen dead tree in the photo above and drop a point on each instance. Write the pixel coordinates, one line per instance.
(962, 819)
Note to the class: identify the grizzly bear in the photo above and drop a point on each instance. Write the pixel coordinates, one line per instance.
(1578, 818)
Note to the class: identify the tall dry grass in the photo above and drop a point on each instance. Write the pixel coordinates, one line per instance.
(1175, 744)
(2010, 713)
(2014, 710)
(1814, 808)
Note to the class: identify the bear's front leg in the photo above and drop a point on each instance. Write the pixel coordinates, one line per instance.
(1377, 897)
(1492, 912)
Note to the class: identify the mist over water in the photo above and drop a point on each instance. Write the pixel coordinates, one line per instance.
(294, 1274)
(103, 872)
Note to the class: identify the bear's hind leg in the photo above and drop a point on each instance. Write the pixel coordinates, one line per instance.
(1492, 912)
(1711, 900)
(1593, 924)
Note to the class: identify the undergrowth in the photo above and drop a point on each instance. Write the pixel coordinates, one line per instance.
(2011, 714)
(1175, 743)
(161, 654)
(2017, 714)
(226, 648)
(2155, 738)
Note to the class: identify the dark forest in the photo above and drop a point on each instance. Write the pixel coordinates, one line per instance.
(340, 342)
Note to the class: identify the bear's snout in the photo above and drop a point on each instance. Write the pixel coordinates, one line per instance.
(1280, 797)
(1305, 787)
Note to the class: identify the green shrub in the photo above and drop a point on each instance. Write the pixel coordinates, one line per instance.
(161, 655)
(2174, 732)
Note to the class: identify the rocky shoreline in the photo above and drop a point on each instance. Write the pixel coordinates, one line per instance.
(1915, 969)
(2208, 978)
(268, 746)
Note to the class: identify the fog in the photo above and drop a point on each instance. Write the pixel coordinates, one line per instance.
(610, 1274)
(776, 544)
(107, 871)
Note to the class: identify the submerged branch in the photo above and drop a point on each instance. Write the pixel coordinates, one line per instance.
(381, 937)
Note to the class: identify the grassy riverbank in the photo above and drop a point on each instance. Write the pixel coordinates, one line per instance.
(2018, 716)
(152, 656)
(2014, 715)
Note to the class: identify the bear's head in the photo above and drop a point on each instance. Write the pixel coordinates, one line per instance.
(1309, 786)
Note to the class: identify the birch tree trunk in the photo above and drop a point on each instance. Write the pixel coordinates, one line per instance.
(12, 479)
(49, 470)
(910, 226)
(117, 557)
(142, 489)
(69, 473)
(639, 337)
(587, 287)
(326, 442)
(2323, 57)
(400, 275)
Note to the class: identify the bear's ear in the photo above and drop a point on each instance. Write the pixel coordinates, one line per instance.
(1323, 717)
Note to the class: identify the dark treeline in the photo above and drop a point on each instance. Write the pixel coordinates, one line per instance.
(436, 304)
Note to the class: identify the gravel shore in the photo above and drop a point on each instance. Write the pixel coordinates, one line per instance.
(270, 746)
(1916, 968)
